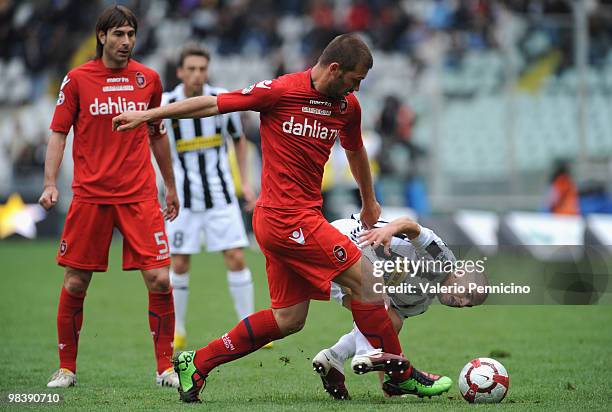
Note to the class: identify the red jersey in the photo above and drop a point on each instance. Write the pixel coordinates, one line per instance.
(299, 126)
(109, 167)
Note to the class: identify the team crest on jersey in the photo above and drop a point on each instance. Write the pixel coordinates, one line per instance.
(340, 253)
(63, 247)
(140, 80)
(60, 98)
(343, 105)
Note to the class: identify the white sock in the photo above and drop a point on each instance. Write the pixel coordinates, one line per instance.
(180, 291)
(362, 344)
(344, 348)
(241, 288)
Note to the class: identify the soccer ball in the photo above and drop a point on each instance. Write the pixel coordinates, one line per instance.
(483, 380)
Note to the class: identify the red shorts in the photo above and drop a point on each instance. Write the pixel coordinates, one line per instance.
(88, 232)
(303, 251)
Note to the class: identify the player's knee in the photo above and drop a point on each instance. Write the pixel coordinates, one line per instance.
(234, 259)
(180, 264)
(76, 281)
(293, 326)
(160, 284)
(289, 323)
(157, 281)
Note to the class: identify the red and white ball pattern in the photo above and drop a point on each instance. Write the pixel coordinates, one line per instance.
(484, 380)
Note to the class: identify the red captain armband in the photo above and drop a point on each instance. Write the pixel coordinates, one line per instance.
(156, 129)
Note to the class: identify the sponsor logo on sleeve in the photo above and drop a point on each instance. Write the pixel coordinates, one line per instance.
(65, 82)
(248, 89)
(140, 80)
(63, 247)
(264, 84)
(60, 98)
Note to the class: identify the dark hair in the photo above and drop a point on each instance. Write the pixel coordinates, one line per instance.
(192, 50)
(114, 16)
(348, 51)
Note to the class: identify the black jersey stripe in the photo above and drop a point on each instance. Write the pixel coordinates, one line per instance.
(197, 127)
(207, 197)
(228, 199)
(232, 129)
(176, 128)
(218, 130)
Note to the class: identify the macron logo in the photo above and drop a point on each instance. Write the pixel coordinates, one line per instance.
(312, 129)
(117, 106)
(298, 237)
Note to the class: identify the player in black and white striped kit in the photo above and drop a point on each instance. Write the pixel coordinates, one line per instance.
(206, 191)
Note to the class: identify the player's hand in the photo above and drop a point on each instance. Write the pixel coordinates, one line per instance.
(172, 205)
(370, 212)
(377, 237)
(49, 197)
(128, 120)
(249, 198)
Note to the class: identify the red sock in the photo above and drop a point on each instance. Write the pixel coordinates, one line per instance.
(161, 322)
(69, 321)
(374, 322)
(250, 334)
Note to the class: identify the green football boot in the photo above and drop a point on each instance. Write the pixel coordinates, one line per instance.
(419, 383)
(191, 380)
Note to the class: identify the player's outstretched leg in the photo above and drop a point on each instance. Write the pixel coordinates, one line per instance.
(247, 336)
(331, 371)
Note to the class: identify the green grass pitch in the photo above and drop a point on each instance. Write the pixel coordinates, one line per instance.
(560, 357)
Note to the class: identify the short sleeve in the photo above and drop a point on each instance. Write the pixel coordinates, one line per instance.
(350, 138)
(67, 106)
(260, 97)
(156, 128)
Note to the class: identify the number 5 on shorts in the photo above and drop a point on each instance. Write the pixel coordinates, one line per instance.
(161, 242)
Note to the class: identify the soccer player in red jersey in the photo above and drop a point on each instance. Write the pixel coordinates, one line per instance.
(302, 115)
(114, 187)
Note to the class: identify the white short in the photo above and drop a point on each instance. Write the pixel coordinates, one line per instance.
(223, 229)
(336, 293)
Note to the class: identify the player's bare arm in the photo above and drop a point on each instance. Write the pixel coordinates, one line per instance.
(383, 235)
(243, 166)
(161, 150)
(360, 168)
(53, 160)
(194, 107)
